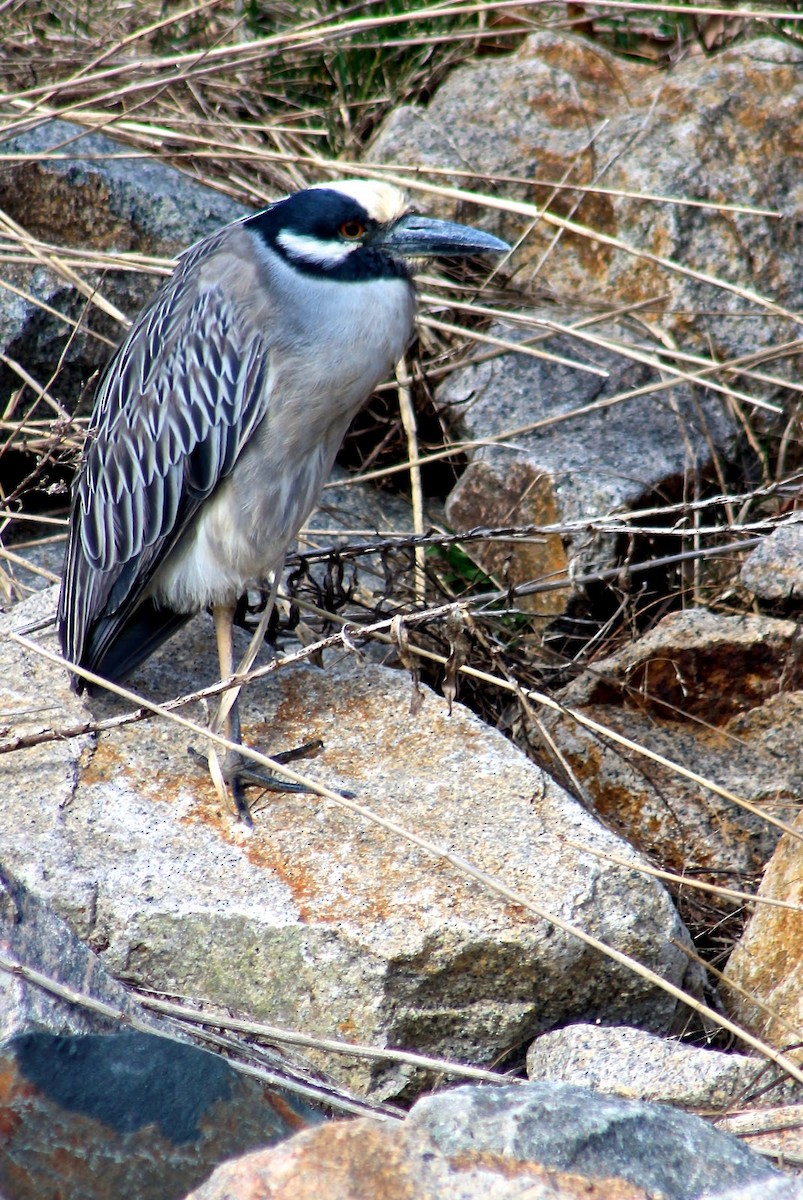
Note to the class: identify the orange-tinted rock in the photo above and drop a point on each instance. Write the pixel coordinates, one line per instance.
(722, 697)
(365, 1160)
(537, 1142)
(564, 111)
(766, 966)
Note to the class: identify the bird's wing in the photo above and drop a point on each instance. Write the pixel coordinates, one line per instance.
(179, 401)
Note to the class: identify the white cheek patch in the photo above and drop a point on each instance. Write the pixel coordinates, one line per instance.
(314, 250)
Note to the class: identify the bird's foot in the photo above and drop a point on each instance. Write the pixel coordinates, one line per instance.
(239, 773)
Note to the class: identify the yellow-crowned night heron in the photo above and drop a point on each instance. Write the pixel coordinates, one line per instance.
(219, 417)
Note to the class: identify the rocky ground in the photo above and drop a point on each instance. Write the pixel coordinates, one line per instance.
(595, 906)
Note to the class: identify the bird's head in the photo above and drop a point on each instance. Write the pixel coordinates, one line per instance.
(359, 229)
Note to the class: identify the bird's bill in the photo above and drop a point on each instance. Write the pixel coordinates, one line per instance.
(414, 236)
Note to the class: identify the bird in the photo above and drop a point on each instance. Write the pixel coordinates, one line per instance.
(217, 420)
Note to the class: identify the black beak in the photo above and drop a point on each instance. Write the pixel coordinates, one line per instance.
(413, 236)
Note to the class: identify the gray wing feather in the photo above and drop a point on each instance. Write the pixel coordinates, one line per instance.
(178, 403)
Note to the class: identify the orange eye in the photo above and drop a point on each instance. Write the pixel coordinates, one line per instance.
(351, 230)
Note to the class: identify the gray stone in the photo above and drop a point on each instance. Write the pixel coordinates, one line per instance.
(575, 1129)
(765, 1189)
(72, 189)
(537, 1142)
(32, 936)
(565, 112)
(580, 462)
(130, 1114)
(774, 570)
(316, 918)
(639, 1066)
(87, 188)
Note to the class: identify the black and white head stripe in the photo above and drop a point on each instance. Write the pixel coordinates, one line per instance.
(328, 229)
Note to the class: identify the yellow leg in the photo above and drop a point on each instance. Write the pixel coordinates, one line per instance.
(228, 715)
(234, 773)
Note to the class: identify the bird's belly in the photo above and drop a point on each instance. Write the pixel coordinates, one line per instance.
(213, 565)
(241, 533)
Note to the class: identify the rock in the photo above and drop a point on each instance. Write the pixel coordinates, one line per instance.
(365, 1160)
(92, 1111)
(768, 959)
(317, 919)
(774, 570)
(766, 1189)
(537, 1142)
(73, 187)
(72, 190)
(570, 469)
(639, 1066)
(721, 696)
(774, 1132)
(127, 1114)
(715, 129)
(567, 1128)
(32, 935)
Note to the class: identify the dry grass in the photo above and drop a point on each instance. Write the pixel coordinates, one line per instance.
(254, 101)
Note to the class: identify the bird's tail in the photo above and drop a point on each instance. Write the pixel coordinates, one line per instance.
(114, 651)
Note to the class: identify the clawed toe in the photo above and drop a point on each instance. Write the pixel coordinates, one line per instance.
(302, 751)
(239, 773)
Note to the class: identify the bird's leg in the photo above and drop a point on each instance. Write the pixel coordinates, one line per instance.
(228, 715)
(237, 771)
